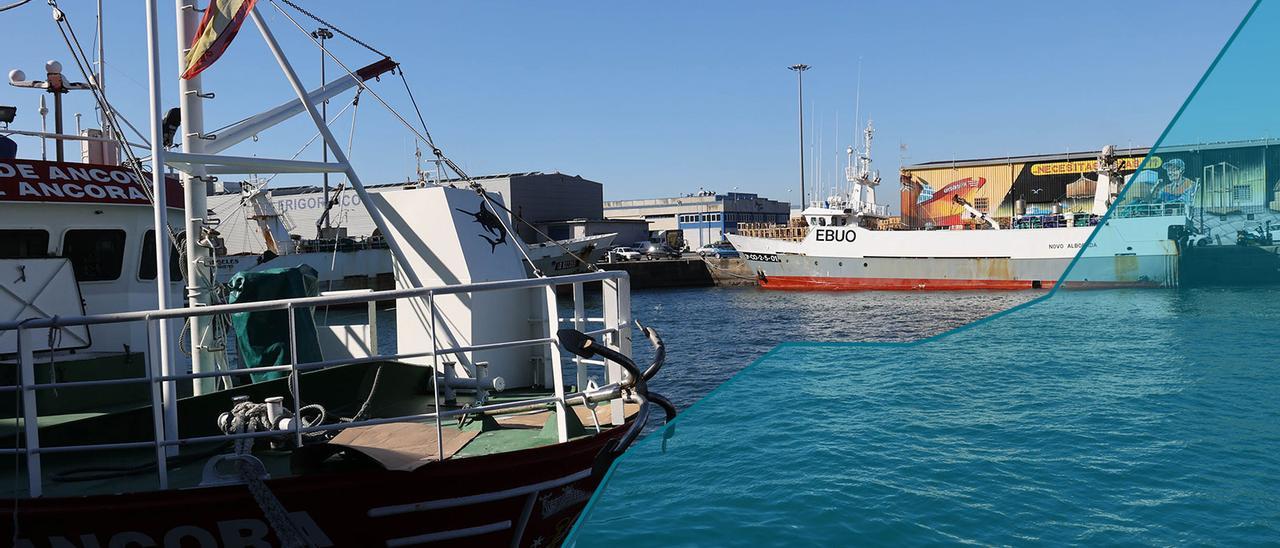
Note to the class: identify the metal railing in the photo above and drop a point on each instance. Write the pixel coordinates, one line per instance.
(1150, 209)
(616, 319)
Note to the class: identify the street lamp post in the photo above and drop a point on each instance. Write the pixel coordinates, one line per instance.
(323, 34)
(799, 70)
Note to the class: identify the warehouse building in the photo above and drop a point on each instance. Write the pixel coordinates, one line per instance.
(539, 198)
(701, 218)
(997, 186)
(1228, 187)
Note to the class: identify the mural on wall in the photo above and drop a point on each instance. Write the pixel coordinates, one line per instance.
(940, 205)
(1229, 189)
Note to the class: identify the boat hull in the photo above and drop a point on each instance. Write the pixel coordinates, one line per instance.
(1124, 253)
(525, 498)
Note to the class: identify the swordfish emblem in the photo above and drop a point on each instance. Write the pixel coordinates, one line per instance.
(491, 224)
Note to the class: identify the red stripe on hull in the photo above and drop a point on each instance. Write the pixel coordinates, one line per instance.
(819, 283)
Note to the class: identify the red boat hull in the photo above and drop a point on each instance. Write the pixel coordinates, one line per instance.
(526, 498)
(819, 283)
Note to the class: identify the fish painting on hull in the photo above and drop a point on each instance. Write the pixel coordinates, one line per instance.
(491, 224)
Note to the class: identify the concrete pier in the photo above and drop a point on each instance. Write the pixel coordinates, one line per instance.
(685, 272)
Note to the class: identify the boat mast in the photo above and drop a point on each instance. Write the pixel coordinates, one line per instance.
(869, 178)
(99, 80)
(206, 351)
(169, 390)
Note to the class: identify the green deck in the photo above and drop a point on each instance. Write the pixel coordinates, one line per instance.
(402, 389)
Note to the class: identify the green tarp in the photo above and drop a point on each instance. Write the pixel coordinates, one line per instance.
(262, 338)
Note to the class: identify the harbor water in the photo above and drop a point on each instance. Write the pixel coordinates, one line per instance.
(712, 333)
(1091, 417)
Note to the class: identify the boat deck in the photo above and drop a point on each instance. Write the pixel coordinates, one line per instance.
(404, 390)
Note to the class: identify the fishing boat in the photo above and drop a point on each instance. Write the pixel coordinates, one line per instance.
(846, 245)
(491, 420)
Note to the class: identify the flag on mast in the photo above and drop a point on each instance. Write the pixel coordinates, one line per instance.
(221, 22)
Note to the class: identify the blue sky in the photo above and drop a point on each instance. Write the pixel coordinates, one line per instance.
(663, 98)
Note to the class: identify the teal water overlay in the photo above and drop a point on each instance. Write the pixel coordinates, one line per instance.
(1095, 417)
(1124, 416)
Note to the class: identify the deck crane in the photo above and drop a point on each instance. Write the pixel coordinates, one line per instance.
(975, 212)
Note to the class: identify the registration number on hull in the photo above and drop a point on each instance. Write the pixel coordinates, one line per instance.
(762, 257)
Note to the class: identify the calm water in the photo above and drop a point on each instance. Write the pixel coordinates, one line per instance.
(1110, 417)
(712, 333)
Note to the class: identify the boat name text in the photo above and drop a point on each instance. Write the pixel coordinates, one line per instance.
(232, 532)
(835, 235)
(42, 181)
(1072, 245)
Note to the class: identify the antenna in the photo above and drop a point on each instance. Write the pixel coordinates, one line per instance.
(857, 105)
(818, 184)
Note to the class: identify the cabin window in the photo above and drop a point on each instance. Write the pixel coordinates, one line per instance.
(24, 243)
(147, 264)
(96, 255)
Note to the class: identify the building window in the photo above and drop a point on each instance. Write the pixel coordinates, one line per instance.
(981, 204)
(96, 255)
(24, 244)
(1241, 193)
(147, 265)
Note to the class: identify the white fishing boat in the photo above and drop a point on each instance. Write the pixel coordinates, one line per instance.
(843, 247)
(476, 428)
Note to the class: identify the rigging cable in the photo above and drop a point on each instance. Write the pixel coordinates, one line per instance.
(426, 134)
(13, 5)
(135, 164)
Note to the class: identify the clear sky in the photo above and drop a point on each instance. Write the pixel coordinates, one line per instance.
(663, 98)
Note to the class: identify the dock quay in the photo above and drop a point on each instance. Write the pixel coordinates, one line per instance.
(684, 272)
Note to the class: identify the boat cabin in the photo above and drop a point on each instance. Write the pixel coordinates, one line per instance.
(79, 239)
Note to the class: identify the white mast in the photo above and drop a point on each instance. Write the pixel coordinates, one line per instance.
(206, 352)
(851, 177)
(99, 80)
(869, 178)
(169, 390)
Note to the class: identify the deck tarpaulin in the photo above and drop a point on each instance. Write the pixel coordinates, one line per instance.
(262, 338)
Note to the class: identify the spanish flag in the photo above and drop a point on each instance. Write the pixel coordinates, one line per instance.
(221, 22)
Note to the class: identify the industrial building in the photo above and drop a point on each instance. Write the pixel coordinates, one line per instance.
(700, 218)
(996, 185)
(539, 198)
(1228, 186)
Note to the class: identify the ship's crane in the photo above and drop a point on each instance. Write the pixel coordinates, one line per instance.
(975, 212)
(274, 227)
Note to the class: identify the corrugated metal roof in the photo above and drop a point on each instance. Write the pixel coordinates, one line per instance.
(1032, 158)
(1089, 154)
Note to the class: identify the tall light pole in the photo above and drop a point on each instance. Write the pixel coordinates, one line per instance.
(323, 34)
(799, 70)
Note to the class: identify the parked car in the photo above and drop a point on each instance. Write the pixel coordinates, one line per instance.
(722, 250)
(625, 254)
(660, 251)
